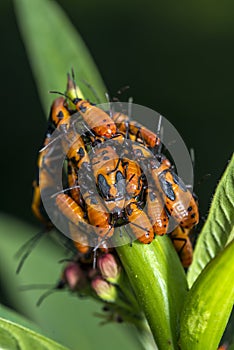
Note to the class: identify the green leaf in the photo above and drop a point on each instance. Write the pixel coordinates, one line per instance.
(159, 282)
(54, 47)
(12, 316)
(209, 304)
(15, 337)
(219, 227)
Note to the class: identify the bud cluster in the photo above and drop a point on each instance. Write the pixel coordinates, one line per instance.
(107, 283)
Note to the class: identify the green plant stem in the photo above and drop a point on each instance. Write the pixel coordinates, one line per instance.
(160, 286)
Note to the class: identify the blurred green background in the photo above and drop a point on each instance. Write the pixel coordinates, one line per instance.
(176, 57)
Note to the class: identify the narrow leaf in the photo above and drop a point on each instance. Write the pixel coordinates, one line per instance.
(218, 229)
(13, 316)
(15, 337)
(209, 304)
(54, 47)
(159, 282)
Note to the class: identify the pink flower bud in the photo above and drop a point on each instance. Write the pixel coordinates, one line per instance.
(109, 268)
(104, 290)
(74, 276)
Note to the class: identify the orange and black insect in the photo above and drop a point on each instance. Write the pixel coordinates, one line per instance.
(156, 212)
(141, 152)
(44, 183)
(137, 132)
(139, 221)
(45, 168)
(97, 213)
(38, 208)
(44, 179)
(80, 231)
(69, 208)
(109, 176)
(134, 177)
(64, 121)
(97, 120)
(59, 114)
(182, 244)
(178, 200)
(77, 153)
(73, 186)
(82, 241)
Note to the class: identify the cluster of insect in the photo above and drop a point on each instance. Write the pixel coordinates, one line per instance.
(116, 182)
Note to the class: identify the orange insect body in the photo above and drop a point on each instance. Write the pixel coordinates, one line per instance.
(70, 209)
(73, 185)
(178, 199)
(80, 240)
(38, 208)
(183, 246)
(96, 119)
(43, 182)
(140, 132)
(133, 177)
(141, 152)
(97, 212)
(77, 153)
(109, 176)
(156, 212)
(98, 215)
(140, 224)
(59, 115)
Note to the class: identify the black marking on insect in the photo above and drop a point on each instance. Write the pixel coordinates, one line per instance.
(103, 186)
(166, 187)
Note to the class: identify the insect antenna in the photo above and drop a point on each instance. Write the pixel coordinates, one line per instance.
(109, 102)
(140, 227)
(159, 133)
(91, 88)
(28, 246)
(123, 89)
(65, 190)
(62, 94)
(94, 258)
(129, 235)
(60, 285)
(52, 288)
(27, 287)
(97, 246)
(50, 143)
(130, 101)
(102, 240)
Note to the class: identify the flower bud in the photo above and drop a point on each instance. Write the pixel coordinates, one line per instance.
(104, 290)
(74, 276)
(109, 268)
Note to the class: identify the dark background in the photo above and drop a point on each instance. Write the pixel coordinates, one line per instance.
(177, 58)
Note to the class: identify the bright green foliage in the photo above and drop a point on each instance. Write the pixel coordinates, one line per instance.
(54, 47)
(15, 337)
(218, 227)
(209, 304)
